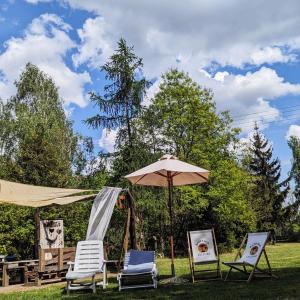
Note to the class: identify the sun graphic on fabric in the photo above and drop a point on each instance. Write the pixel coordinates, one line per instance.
(202, 247)
(253, 250)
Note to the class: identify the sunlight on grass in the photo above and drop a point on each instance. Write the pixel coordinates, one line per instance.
(284, 258)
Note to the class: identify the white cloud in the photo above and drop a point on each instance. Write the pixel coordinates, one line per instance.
(45, 43)
(197, 35)
(151, 92)
(93, 51)
(294, 130)
(220, 76)
(271, 55)
(242, 145)
(192, 33)
(108, 139)
(248, 96)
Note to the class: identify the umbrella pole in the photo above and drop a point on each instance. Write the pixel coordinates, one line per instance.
(170, 185)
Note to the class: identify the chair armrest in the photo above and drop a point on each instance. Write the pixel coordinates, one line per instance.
(71, 265)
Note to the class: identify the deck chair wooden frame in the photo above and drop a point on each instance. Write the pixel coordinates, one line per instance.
(242, 266)
(193, 264)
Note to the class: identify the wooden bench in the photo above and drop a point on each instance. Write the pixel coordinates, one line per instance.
(7, 267)
(49, 270)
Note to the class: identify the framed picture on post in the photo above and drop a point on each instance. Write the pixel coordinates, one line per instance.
(51, 234)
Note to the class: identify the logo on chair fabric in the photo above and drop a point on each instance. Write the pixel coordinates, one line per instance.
(254, 250)
(202, 247)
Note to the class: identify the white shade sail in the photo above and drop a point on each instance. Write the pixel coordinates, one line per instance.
(38, 196)
(156, 174)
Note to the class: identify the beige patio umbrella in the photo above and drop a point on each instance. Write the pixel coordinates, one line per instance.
(169, 171)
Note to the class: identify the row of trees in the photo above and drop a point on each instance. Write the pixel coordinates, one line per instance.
(38, 146)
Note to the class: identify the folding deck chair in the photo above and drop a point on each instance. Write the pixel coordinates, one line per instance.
(89, 260)
(203, 251)
(139, 270)
(255, 247)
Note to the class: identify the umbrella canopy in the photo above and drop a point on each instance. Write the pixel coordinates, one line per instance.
(169, 171)
(157, 174)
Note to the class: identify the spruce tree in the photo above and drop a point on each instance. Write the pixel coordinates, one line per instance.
(269, 193)
(119, 107)
(123, 94)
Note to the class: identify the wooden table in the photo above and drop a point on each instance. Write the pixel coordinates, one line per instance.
(8, 266)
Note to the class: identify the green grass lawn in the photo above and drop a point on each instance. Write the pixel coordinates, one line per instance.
(284, 259)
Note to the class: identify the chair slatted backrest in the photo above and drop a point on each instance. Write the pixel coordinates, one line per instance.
(89, 256)
(256, 243)
(203, 246)
(126, 259)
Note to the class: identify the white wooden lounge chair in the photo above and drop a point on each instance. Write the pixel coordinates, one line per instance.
(89, 260)
(203, 251)
(139, 270)
(255, 247)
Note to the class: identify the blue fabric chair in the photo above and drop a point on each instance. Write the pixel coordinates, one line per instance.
(139, 270)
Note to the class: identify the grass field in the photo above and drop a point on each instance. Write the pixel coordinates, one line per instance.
(284, 258)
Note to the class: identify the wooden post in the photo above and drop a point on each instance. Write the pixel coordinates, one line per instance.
(60, 259)
(190, 256)
(124, 247)
(41, 260)
(125, 241)
(170, 186)
(37, 219)
(132, 229)
(5, 275)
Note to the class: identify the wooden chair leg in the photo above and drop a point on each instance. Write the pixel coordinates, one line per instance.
(190, 258)
(268, 263)
(219, 270)
(193, 274)
(228, 273)
(251, 275)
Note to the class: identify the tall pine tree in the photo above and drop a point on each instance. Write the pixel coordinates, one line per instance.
(121, 104)
(123, 94)
(269, 192)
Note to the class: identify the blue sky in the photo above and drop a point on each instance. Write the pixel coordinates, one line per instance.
(247, 52)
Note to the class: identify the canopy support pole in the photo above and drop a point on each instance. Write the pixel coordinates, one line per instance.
(37, 219)
(170, 186)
